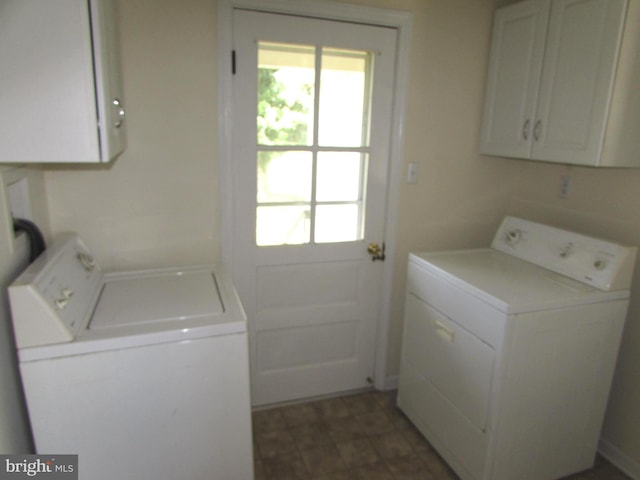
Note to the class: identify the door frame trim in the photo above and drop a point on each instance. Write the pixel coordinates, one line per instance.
(402, 21)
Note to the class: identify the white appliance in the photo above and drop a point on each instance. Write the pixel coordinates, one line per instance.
(142, 374)
(508, 352)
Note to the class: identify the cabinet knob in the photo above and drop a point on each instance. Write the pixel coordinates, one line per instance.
(119, 112)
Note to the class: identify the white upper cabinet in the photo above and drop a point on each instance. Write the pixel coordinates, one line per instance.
(60, 89)
(563, 83)
(515, 64)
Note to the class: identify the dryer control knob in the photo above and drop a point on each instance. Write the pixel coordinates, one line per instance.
(567, 250)
(513, 237)
(600, 264)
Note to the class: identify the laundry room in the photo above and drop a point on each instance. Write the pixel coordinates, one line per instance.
(175, 195)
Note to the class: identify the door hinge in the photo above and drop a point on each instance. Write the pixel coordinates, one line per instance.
(233, 62)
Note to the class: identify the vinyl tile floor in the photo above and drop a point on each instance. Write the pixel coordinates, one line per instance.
(356, 437)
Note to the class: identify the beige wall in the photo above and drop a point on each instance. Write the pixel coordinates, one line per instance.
(460, 196)
(158, 204)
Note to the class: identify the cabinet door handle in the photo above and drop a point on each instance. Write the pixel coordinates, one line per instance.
(525, 129)
(536, 130)
(445, 332)
(119, 112)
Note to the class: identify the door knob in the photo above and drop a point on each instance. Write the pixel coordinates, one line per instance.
(376, 251)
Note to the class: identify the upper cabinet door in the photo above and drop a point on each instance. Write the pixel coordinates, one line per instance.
(515, 63)
(583, 42)
(109, 92)
(59, 76)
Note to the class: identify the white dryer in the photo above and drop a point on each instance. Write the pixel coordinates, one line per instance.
(143, 374)
(509, 352)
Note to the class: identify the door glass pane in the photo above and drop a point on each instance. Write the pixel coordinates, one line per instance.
(344, 98)
(284, 177)
(340, 176)
(314, 192)
(282, 225)
(337, 223)
(286, 84)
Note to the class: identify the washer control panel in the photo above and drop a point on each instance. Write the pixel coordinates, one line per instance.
(54, 297)
(599, 263)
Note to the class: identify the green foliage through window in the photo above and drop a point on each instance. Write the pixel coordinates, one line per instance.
(282, 114)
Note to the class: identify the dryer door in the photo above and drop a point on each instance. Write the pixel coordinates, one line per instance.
(458, 364)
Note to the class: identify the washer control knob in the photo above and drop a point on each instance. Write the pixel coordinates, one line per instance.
(87, 261)
(600, 264)
(61, 303)
(67, 293)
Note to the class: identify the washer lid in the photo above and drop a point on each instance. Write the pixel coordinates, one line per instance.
(157, 298)
(508, 283)
(145, 308)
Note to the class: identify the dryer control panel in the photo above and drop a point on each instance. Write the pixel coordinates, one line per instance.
(599, 263)
(54, 297)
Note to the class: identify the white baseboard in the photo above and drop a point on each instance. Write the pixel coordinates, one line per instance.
(391, 383)
(620, 459)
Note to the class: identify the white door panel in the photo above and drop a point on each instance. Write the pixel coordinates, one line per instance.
(577, 79)
(517, 51)
(310, 197)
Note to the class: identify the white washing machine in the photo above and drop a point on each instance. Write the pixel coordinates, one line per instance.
(509, 352)
(143, 374)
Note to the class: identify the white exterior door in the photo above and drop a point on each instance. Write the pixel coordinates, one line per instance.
(312, 109)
